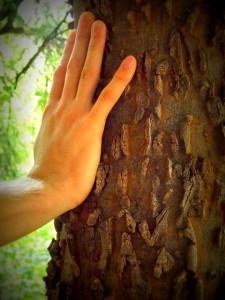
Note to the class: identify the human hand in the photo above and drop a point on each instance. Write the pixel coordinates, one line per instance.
(68, 146)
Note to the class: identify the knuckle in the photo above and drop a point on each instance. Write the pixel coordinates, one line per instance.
(94, 45)
(70, 44)
(68, 48)
(88, 73)
(85, 74)
(47, 110)
(121, 78)
(58, 111)
(71, 65)
(70, 118)
(95, 126)
(82, 34)
(67, 51)
(60, 70)
(107, 94)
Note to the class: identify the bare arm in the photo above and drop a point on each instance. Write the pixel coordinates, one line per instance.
(67, 149)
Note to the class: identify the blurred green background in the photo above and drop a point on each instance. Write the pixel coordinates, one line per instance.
(32, 38)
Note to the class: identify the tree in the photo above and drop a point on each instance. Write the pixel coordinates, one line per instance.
(153, 225)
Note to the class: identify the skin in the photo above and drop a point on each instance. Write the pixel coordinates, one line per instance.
(68, 146)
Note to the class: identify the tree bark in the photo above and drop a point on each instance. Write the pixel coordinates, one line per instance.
(153, 225)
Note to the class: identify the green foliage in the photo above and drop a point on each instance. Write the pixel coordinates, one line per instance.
(22, 100)
(23, 265)
(24, 93)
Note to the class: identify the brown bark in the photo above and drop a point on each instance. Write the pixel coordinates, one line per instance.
(153, 225)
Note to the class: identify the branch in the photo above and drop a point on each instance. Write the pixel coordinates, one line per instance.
(48, 38)
(11, 29)
(9, 12)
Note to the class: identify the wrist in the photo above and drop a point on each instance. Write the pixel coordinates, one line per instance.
(31, 203)
(58, 195)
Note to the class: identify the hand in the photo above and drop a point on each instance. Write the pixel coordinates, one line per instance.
(67, 149)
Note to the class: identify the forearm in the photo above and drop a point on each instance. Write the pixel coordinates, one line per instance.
(26, 205)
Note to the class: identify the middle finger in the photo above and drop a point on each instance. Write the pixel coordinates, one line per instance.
(78, 56)
(92, 67)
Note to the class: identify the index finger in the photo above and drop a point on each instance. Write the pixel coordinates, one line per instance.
(112, 92)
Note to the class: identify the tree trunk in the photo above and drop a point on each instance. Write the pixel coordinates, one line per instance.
(153, 225)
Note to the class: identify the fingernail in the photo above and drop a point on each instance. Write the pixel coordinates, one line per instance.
(98, 27)
(86, 17)
(128, 62)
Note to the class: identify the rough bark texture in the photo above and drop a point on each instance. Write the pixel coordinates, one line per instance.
(153, 226)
